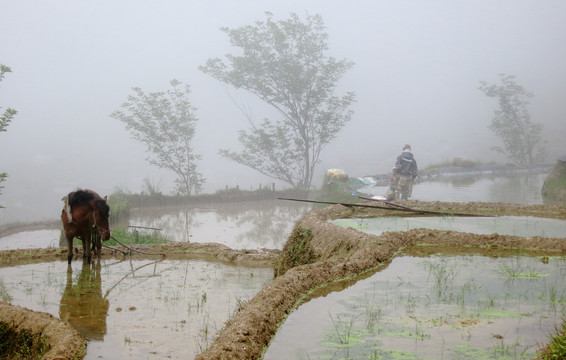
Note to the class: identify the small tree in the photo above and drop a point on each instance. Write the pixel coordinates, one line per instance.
(284, 64)
(522, 139)
(5, 119)
(165, 122)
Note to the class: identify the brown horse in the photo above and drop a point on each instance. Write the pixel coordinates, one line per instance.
(89, 223)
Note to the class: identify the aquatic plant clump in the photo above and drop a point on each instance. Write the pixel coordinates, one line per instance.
(556, 348)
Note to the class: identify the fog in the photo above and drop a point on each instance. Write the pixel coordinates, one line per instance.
(417, 70)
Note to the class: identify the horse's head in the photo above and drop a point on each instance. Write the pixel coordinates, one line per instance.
(101, 211)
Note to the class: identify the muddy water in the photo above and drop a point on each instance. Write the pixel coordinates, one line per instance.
(136, 309)
(457, 307)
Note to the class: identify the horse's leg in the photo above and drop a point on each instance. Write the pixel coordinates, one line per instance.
(94, 244)
(83, 245)
(69, 248)
(86, 245)
(97, 244)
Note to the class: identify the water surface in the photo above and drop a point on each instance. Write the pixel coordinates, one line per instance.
(136, 309)
(525, 226)
(511, 189)
(457, 307)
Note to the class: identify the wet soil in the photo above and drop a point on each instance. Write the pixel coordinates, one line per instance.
(334, 254)
(63, 340)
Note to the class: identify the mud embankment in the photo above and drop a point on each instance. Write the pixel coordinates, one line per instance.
(62, 340)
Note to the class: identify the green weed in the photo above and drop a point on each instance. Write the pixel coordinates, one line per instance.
(128, 237)
(21, 345)
(556, 348)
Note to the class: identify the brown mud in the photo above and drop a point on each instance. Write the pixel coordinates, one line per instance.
(63, 340)
(317, 254)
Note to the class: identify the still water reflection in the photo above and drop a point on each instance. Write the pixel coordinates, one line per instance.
(512, 189)
(136, 309)
(250, 225)
(82, 303)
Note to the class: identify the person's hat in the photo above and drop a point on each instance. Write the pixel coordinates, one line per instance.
(407, 146)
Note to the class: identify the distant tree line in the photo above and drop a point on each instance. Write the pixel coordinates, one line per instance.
(285, 64)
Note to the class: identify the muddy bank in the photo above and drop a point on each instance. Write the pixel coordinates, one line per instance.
(334, 253)
(44, 330)
(176, 251)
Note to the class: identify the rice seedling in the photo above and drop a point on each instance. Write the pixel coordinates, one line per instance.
(203, 337)
(343, 329)
(514, 269)
(510, 351)
(372, 315)
(443, 275)
(4, 295)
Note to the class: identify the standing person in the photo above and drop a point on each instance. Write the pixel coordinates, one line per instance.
(404, 173)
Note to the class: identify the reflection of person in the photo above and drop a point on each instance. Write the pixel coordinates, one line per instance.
(404, 173)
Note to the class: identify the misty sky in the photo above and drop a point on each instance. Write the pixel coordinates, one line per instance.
(418, 68)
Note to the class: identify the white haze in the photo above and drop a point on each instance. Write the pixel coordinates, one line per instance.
(418, 68)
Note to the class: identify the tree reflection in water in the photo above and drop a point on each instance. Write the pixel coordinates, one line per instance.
(250, 225)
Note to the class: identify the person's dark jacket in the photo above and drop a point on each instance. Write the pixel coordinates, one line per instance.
(406, 164)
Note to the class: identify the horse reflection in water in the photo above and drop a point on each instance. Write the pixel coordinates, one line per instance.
(82, 305)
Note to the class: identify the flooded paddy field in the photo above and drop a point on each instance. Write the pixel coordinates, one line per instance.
(249, 225)
(437, 307)
(147, 309)
(526, 226)
(175, 308)
(468, 306)
(509, 189)
(136, 309)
